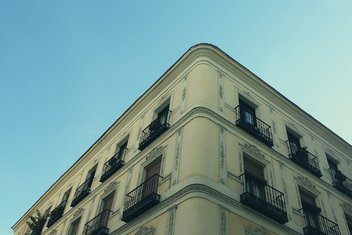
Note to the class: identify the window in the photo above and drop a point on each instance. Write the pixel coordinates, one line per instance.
(99, 224)
(300, 155)
(335, 174)
(310, 210)
(163, 115)
(91, 172)
(105, 210)
(106, 202)
(161, 119)
(258, 195)
(90, 178)
(349, 222)
(145, 196)
(84, 189)
(246, 119)
(65, 196)
(332, 164)
(115, 162)
(255, 183)
(74, 227)
(293, 142)
(247, 113)
(121, 150)
(58, 211)
(158, 126)
(151, 185)
(47, 211)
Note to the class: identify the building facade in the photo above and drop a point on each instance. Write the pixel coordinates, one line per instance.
(209, 148)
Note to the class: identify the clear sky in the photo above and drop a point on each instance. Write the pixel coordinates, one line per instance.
(69, 69)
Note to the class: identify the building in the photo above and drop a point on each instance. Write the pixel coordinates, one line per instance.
(210, 148)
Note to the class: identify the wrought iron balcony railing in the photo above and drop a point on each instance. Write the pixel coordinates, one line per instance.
(256, 128)
(142, 198)
(56, 213)
(99, 224)
(319, 225)
(151, 132)
(263, 198)
(113, 165)
(305, 159)
(82, 191)
(341, 182)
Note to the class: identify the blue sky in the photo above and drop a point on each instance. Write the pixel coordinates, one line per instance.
(69, 69)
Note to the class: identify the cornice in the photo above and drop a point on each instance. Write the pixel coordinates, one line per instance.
(200, 189)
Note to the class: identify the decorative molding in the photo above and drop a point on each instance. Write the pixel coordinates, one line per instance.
(221, 91)
(78, 213)
(246, 92)
(184, 93)
(221, 101)
(223, 222)
(171, 220)
(256, 231)
(253, 149)
(291, 124)
(189, 189)
(306, 183)
(156, 152)
(222, 158)
(111, 186)
(174, 177)
(146, 230)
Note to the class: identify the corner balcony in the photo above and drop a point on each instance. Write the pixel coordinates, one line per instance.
(82, 191)
(341, 182)
(263, 198)
(319, 225)
(142, 198)
(111, 166)
(56, 213)
(305, 159)
(98, 225)
(151, 132)
(259, 129)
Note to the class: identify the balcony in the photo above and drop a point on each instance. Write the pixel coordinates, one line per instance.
(319, 225)
(56, 213)
(263, 198)
(112, 165)
(256, 128)
(341, 182)
(99, 224)
(151, 132)
(82, 191)
(304, 158)
(142, 198)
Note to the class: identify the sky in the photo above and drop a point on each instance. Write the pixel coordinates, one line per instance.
(69, 69)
